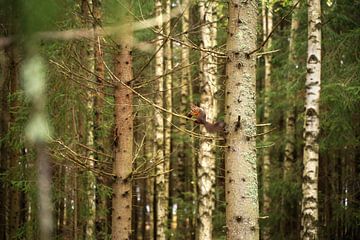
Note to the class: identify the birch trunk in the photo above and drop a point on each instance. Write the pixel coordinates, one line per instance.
(309, 207)
(88, 55)
(161, 190)
(168, 101)
(267, 27)
(122, 187)
(290, 122)
(149, 228)
(242, 209)
(206, 168)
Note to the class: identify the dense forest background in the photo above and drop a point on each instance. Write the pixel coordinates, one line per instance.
(96, 140)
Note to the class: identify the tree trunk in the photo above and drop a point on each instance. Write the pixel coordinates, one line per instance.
(267, 27)
(149, 188)
(4, 122)
(99, 141)
(208, 87)
(186, 155)
(161, 187)
(13, 155)
(309, 207)
(168, 103)
(122, 187)
(290, 129)
(242, 209)
(90, 183)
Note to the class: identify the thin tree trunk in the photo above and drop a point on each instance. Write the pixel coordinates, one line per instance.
(122, 187)
(149, 228)
(309, 207)
(99, 142)
(161, 187)
(241, 189)
(13, 155)
(4, 122)
(86, 8)
(33, 73)
(208, 87)
(168, 104)
(290, 127)
(267, 27)
(186, 154)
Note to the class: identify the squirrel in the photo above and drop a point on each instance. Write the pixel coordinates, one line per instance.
(200, 115)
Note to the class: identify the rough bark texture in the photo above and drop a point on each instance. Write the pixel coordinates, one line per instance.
(309, 207)
(206, 163)
(161, 188)
(267, 27)
(122, 187)
(242, 209)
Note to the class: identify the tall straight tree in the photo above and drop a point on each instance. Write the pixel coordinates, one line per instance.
(187, 158)
(88, 57)
(241, 186)
(206, 163)
(309, 206)
(167, 95)
(161, 186)
(122, 187)
(11, 157)
(266, 163)
(99, 141)
(290, 123)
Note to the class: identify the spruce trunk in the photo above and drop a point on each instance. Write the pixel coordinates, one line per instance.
(122, 187)
(241, 187)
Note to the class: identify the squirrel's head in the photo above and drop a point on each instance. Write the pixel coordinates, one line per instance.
(197, 111)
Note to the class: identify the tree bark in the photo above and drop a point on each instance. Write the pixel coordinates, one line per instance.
(267, 27)
(99, 141)
(161, 187)
(208, 88)
(4, 122)
(187, 157)
(122, 187)
(241, 189)
(12, 154)
(309, 206)
(90, 183)
(290, 129)
(168, 105)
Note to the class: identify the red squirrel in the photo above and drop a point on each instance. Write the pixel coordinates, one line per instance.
(200, 116)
